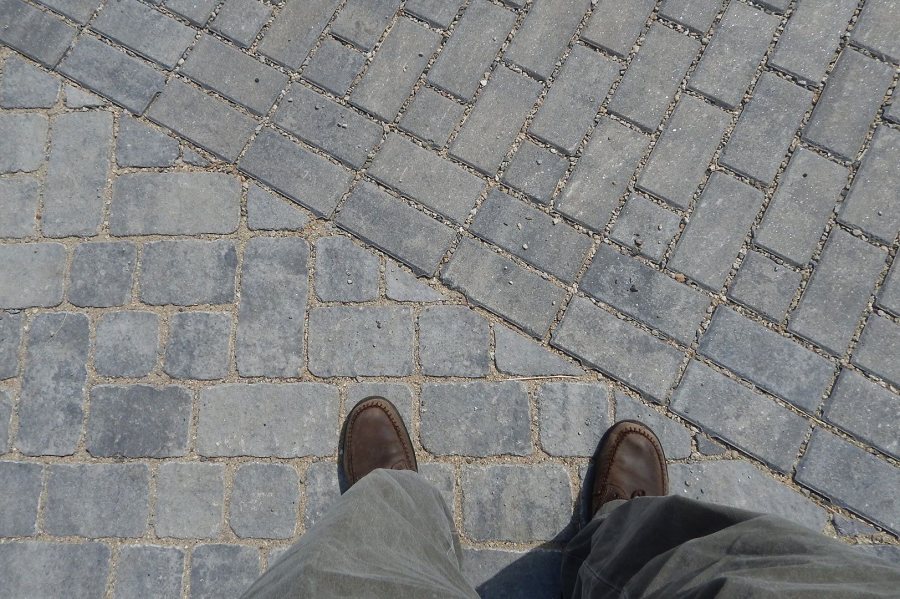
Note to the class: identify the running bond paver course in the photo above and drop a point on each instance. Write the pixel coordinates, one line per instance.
(520, 221)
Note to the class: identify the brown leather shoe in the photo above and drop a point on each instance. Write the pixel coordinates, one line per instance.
(629, 463)
(374, 436)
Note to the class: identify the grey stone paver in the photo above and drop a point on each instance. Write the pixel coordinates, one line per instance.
(26, 86)
(866, 410)
(405, 287)
(453, 341)
(77, 10)
(500, 573)
(869, 201)
(196, 11)
(127, 343)
(645, 227)
(361, 22)
(22, 139)
(148, 32)
(264, 501)
(198, 345)
(149, 570)
(878, 350)
(189, 500)
(241, 20)
(10, 336)
(361, 341)
(222, 570)
(345, 272)
(101, 274)
(80, 568)
(615, 27)
(432, 117)
(19, 504)
(572, 417)
(544, 34)
(535, 171)
(696, 15)
(78, 98)
(765, 286)
(268, 212)
(140, 145)
(889, 296)
(37, 34)
(334, 66)
(295, 29)
(875, 29)
(187, 272)
(19, 199)
(439, 13)
(5, 415)
(32, 274)
(520, 355)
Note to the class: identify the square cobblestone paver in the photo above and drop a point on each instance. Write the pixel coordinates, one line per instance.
(189, 500)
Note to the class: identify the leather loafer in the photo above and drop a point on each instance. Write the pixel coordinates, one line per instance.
(374, 436)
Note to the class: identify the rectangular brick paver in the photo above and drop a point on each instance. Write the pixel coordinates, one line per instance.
(37, 34)
(22, 141)
(454, 341)
(439, 13)
(101, 274)
(765, 286)
(187, 272)
(126, 344)
(361, 341)
(361, 22)
(870, 203)
(79, 568)
(879, 349)
(867, 410)
(615, 26)
(696, 15)
(148, 569)
(19, 504)
(572, 417)
(10, 335)
(222, 570)
(646, 227)
(77, 10)
(148, 32)
(544, 35)
(295, 30)
(876, 29)
(241, 20)
(334, 66)
(535, 171)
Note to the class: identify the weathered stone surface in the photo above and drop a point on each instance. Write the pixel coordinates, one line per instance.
(189, 500)
(402, 286)
(361, 341)
(321, 488)
(544, 35)
(19, 199)
(198, 345)
(264, 501)
(765, 286)
(520, 355)
(101, 274)
(513, 574)
(345, 272)
(868, 411)
(79, 568)
(241, 20)
(439, 13)
(572, 417)
(10, 336)
(432, 117)
(223, 570)
(31, 275)
(875, 29)
(148, 32)
(810, 38)
(188, 272)
(126, 344)
(22, 140)
(334, 66)
(148, 570)
(26, 86)
(878, 350)
(37, 34)
(361, 22)
(535, 171)
(615, 27)
(870, 201)
(22, 484)
(645, 227)
(696, 15)
(268, 212)
(453, 341)
(140, 145)
(295, 30)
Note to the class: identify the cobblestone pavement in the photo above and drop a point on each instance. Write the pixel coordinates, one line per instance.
(213, 214)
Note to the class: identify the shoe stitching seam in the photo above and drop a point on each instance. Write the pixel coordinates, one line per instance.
(397, 429)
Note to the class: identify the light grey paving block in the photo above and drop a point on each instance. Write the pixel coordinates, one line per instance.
(845, 111)
(443, 478)
(402, 286)
(291, 169)
(876, 29)
(31, 275)
(295, 30)
(725, 212)
(140, 145)
(127, 81)
(97, 500)
(19, 199)
(261, 420)
(148, 32)
(51, 398)
(78, 98)
(572, 417)
(487, 134)
(203, 119)
(569, 109)
(503, 287)
(751, 422)
(77, 10)
(321, 488)
(696, 15)
(345, 272)
(799, 210)
(191, 156)
(645, 227)
(362, 22)
(472, 47)
(223, 570)
(543, 36)
(653, 298)
(520, 355)
(80, 568)
(653, 77)
(615, 26)
(264, 501)
(535, 171)
(495, 497)
(361, 341)
(811, 37)
(19, 503)
(101, 274)
(374, 215)
(37, 34)
(871, 202)
(241, 20)
(149, 571)
(765, 128)
(681, 157)
(187, 272)
(22, 140)
(334, 66)
(602, 174)
(10, 336)
(838, 291)
(26, 86)
(674, 437)
(878, 350)
(618, 348)
(426, 177)
(439, 13)
(765, 286)
(198, 345)
(323, 123)
(513, 574)
(126, 343)
(196, 11)
(268, 212)
(273, 303)
(768, 360)
(5, 416)
(399, 394)
(431, 117)
(396, 67)
(453, 341)
(868, 411)
(889, 296)
(851, 478)
(189, 499)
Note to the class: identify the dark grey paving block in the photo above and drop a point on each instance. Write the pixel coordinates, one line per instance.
(426, 177)
(569, 109)
(126, 344)
(475, 419)
(751, 422)
(37, 34)
(395, 69)
(10, 336)
(681, 157)
(187, 272)
(439, 13)
(402, 286)
(31, 275)
(889, 295)
(22, 140)
(295, 31)
(653, 77)
(362, 22)
(223, 570)
(520, 355)
(513, 574)
(19, 503)
(291, 169)
(602, 174)
(241, 20)
(345, 272)
(544, 35)
(148, 32)
(572, 417)
(97, 500)
(264, 501)
(645, 227)
(878, 350)
(765, 286)
(892, 111)
(768, 360)
(765, 128)
(655, 299)
(431, 117)
(149, 571)
(189, 499)
(79, 568)
(374, 216)
(139, 145)
(101, 274)
(876, 29)
(269, 212)
(453, 341)
(798, 212)
(696, 15)
(493, 124)
(535, 171)
(851, 478)
(868, 411)
(26, 86)
(361, 341)
(51, 398)
(674, 436)
(615, 26)
(724, 212)
(326, 124)
(127, 81)
(77, 10)
(503, 287)
(532, 235)
(541, 490)
(196, 11)
(198, 345)
(472, 47)
(618, 348)
(261, 420)
(838, 292)
(851, 527)
(334, 66)
(18, 203)
(730, 60)
(871, 202)
(811, 37)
